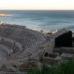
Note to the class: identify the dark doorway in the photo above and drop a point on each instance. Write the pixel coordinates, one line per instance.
(64, 40)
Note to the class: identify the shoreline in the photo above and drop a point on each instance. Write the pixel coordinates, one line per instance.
(40, 30)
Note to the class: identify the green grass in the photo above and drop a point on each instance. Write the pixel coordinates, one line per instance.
(64, 68)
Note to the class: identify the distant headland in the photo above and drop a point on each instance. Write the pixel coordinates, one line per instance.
(3, 14)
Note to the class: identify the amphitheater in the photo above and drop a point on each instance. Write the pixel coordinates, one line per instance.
(20, 45)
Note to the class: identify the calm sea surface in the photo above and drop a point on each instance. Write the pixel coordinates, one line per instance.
(40, 20)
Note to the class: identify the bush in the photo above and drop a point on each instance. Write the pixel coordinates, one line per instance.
(64, 68)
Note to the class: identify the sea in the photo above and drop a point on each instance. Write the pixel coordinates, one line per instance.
(46, 20)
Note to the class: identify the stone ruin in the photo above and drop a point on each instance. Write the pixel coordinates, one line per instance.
(33, 48)
(61, 45)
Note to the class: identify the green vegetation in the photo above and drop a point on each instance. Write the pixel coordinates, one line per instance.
(64, 68)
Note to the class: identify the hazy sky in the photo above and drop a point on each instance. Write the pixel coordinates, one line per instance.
(37, 4)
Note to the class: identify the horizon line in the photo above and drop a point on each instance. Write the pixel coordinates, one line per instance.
(41, 9)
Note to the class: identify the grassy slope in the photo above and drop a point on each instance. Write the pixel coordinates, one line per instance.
(65, 68)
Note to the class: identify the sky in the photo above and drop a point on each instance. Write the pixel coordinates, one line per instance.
(37, 4)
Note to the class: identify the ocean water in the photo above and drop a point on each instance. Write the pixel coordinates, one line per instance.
(40, 20)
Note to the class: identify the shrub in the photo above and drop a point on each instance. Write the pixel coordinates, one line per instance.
(64, 68)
